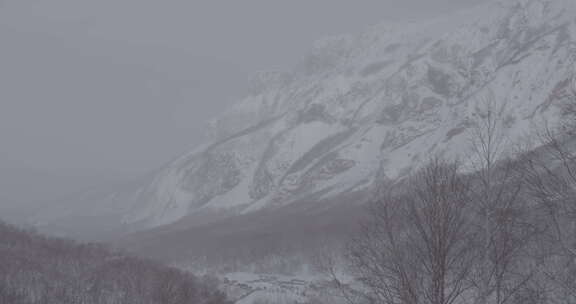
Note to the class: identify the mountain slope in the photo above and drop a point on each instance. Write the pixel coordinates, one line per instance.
(372, 106)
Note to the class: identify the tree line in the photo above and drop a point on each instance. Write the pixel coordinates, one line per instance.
(35, 269)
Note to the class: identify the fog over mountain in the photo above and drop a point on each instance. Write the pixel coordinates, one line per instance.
(122, 86)
(318, 151)
(93, 92)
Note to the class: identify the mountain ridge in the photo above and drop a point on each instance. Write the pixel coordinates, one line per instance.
(371, 106)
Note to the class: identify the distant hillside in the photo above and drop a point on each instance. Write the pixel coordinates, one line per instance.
(39, 270)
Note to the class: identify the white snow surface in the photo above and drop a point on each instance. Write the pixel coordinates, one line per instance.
(249, 288)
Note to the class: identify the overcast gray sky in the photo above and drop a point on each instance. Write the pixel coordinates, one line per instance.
(122, 86)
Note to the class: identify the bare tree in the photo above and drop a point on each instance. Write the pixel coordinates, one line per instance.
(417, 246)
(502, 213)
(552, 183)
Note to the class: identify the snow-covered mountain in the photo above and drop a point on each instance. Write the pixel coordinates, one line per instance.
(372, 106)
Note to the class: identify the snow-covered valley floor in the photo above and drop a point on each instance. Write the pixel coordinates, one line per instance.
(250, 288)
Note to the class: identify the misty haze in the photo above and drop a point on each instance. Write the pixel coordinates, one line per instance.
(288, 152)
